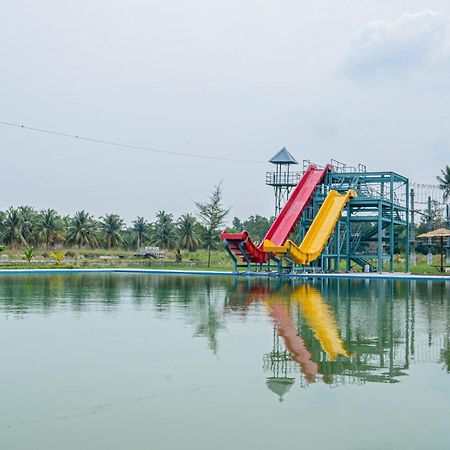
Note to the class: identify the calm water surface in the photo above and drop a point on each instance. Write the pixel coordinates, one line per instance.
(117, 361)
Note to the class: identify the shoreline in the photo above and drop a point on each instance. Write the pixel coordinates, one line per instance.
(361, 276)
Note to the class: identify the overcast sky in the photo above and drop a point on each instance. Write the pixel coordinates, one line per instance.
(357, 81)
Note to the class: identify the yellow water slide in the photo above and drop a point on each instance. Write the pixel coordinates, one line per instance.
(318, 234)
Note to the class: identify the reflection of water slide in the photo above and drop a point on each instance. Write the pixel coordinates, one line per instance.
(320, 318)
(279, 311)
(317, 235)
(241, 245)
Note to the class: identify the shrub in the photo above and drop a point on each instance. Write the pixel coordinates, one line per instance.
(59, 257)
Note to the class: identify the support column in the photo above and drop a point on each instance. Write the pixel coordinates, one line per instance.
(448, 239)
(430, 227)
(380, 237)
(338, 247)
(412, 235)
(407, 227)
(348, 238)
(391, 226)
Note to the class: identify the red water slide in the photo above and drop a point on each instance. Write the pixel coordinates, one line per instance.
(241, 245)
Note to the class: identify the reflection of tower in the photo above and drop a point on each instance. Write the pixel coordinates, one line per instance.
(279, 363)
(282, 179)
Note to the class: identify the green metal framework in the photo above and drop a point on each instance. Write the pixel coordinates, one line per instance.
(373, 226)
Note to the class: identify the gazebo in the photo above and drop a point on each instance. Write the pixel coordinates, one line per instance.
(439, 233)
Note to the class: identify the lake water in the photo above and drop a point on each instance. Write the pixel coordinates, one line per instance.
(124, 361)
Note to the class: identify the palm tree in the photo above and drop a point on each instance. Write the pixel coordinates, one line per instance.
(187, 232)
(13, 228)
(29, 218)
(111, 226)
(49, 227)
(164, 230)
(140, 226)
(444, 182)
(82, 230)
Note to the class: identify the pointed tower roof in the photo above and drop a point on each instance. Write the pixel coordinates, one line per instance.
(280, 386)
(283, 157)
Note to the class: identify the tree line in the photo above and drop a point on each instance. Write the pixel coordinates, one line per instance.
(24, 226)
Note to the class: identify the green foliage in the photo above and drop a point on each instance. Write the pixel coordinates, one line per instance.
(164, 231)
(24, 227)
(59, 257)
(29, 219)
(212, 215)
(49, 227)
(29, 254)
(111, 227)
(187, 231)
(82, 230)
(257, 226)
(237, 224)
(141, 228)
(444, 182)
(13, 229)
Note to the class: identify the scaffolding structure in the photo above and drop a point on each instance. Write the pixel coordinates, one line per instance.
(372, 226)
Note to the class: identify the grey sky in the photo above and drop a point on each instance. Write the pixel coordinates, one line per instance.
(358, 81)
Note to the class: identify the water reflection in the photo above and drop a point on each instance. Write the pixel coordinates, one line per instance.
(355, 331)
(329, 330)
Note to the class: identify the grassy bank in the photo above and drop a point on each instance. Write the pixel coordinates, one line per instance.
(220, 261)
(89, 259)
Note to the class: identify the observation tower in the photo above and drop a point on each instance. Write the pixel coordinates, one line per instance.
(282, 180)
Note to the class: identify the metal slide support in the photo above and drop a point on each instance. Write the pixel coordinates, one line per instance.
(380, 237)
(338, 247)
(247, 259)
(407, 230)
(230, 253)
(413, 231)
(348, 238)
(391, 226)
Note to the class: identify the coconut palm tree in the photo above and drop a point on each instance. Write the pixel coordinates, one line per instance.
(82, 230)
(13, 228)
(164, 230)
(444, 182)
(111, 226)
(2, 222)
(49, 227)
(29, 219)
(140, 226)
(187, 232)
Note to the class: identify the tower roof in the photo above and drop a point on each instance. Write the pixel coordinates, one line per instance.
(279, 386)
(283, 157)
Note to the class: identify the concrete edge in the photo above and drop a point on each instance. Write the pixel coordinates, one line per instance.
(360, 276)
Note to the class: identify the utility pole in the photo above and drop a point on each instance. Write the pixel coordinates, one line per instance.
(448, 239)
(430, 227)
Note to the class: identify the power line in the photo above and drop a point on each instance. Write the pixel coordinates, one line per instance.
(121, 145)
